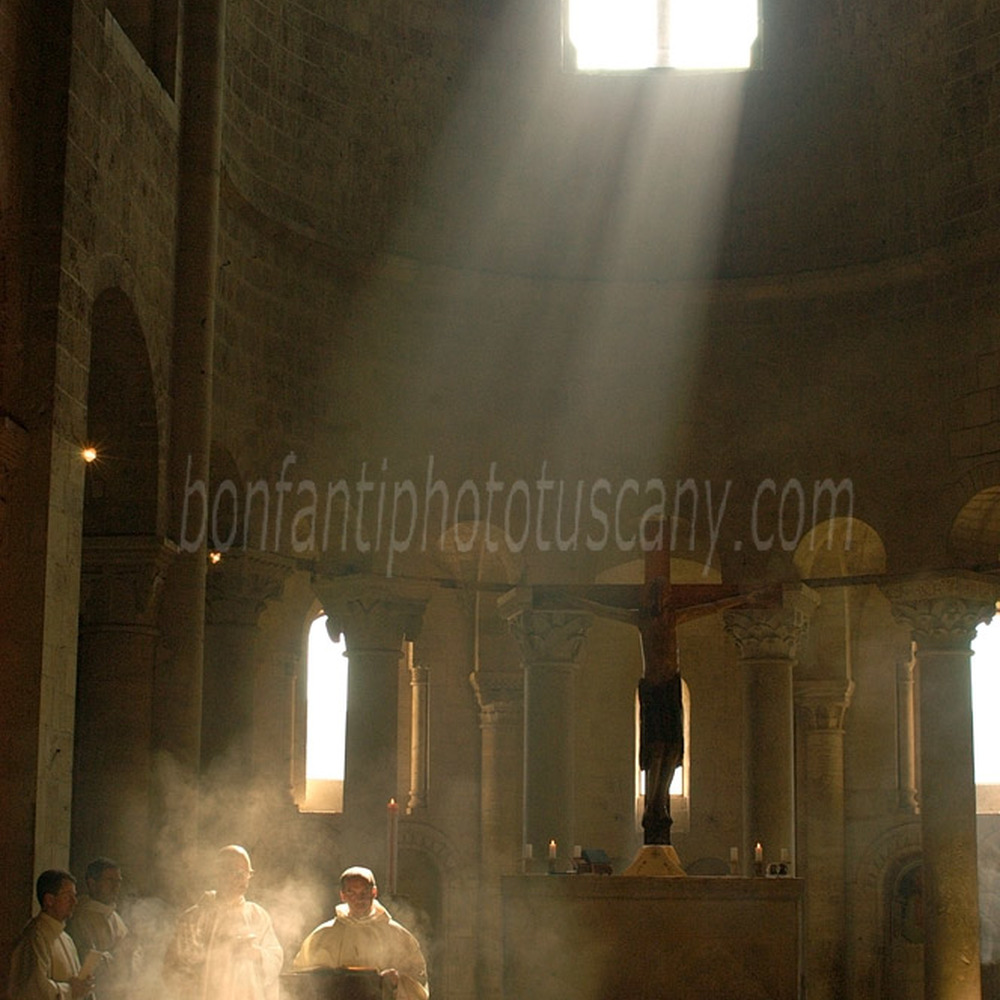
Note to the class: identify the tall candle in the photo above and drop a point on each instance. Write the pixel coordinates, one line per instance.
(392, 844)
(552, 850)
(758, 853)
(529, 852)
(734, 854)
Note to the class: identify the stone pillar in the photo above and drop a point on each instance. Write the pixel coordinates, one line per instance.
(906, 739)
(419, 733)
(942, 614)
(237, 591)
(822, 705)
(500, 695)
(375, 615)
(550, 643)
(121, 584)
(768, 644)
(177, 726)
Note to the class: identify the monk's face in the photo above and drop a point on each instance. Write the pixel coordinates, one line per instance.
(106, 886)
(62, 903)
(358, 893)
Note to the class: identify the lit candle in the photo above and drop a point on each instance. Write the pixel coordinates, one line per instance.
(758, 854)
(552, 850)
(393, 837)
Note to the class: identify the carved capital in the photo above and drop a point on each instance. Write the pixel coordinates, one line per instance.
(822, 704)
(371, 612)
(238, 588)
(497, 687)
(121, 579)
(550, 636)
(943, 612)
(772, 634)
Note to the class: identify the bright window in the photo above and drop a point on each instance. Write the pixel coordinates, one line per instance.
(326, 720)
(642, 34)
(985, 698)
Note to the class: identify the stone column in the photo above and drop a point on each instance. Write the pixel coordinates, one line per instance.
(550, 643)
(375, 615)
(419, 733)
(768, 644)
(500, 695)
(120, 588)
(237, 591)
(906, 741)
(942, 614)
(177, 727)
(822, 705)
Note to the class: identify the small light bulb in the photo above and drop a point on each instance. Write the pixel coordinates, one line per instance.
(89, 454)
(215, 557)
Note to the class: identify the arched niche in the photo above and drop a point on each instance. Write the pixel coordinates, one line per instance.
(874, 889)
(122, 489)
(974, 538)
(840, 547)
(839, 558)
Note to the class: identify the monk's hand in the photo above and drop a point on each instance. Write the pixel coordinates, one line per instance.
(80, 987)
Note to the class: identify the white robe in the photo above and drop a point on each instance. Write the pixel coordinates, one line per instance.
(224, 951)
(375, 941)
(43, 961)
(97, 926)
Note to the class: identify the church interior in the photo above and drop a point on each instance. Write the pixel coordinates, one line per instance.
(383, 328)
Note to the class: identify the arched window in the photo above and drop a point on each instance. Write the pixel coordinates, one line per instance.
(326, 720)
(680, 799)
(985, 698)
(645, 34)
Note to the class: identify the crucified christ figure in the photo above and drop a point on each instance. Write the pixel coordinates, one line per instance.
(656, 609)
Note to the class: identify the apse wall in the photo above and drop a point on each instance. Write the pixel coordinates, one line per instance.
(438, 244)
(410, 126)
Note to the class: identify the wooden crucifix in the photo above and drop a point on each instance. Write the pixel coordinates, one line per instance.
(656, 608)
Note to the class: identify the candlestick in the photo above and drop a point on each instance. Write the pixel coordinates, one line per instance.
(392, 813)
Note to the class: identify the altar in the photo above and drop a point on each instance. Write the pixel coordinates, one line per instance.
(608, 937)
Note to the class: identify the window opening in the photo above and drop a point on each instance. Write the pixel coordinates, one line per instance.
(645, 34)
(326, 720)
(985, 697)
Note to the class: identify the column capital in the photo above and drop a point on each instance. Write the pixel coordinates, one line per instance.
(549, 636)
(497, 687)
(775, 633)
(372, 612)
(121, 578)
(943, 612)
(239, 586)
(823, 704)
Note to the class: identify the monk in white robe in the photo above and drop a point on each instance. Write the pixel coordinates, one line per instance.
(363, 934)
(225, 947)
(44, 964)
